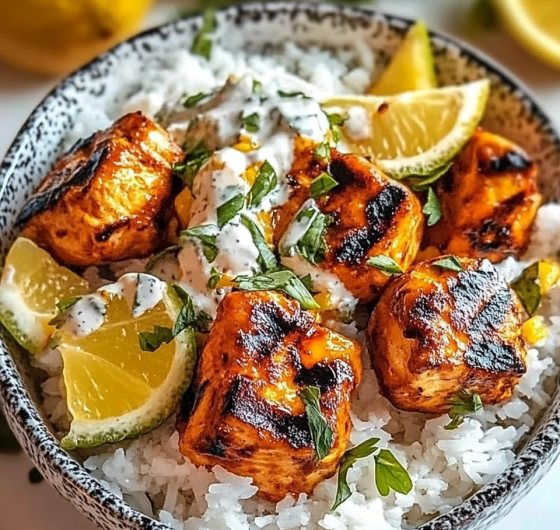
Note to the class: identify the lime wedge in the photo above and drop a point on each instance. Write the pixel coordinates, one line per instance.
(414, 133)
(411, 68)
(114, 389)
(32, 284)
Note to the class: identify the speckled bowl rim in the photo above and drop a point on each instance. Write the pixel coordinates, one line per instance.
(480, 510)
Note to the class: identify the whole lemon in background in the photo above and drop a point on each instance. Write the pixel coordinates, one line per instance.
(57, 36)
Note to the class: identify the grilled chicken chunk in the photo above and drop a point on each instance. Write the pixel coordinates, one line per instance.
(243, 411)
(107, 199)
(489, 199)
(436, 332)
(370, 215)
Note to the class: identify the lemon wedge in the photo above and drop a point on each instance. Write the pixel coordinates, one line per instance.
(31, 286)
(535, 25)
(414, 133)
(115, 389)
(411, 68)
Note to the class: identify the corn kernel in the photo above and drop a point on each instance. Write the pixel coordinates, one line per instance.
(245, 144)
(549, 274)
(225, 281)
(265, 220)
(324, 300)
(183, 204)
(534, 330)
(251, 173)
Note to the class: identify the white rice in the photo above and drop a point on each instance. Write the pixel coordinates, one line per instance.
(445, 466)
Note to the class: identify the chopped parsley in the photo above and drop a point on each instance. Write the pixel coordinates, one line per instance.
(206, 235)
(266, 260)
(450, 263)
(252, 122)
(385, 264)
(528, 288)
(284, 280)
(202, 43)
(321, 185)
(265, 182)
(462, 404)
(321, 433)
(193, 162)
(432, 208)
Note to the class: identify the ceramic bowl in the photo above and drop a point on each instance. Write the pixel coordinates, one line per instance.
(511, 111)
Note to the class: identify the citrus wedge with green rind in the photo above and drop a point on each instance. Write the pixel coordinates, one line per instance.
(414, 133)
(114, 389)
(412, 66)
(31, 286)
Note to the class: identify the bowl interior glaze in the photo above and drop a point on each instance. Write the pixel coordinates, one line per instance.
(511, 111)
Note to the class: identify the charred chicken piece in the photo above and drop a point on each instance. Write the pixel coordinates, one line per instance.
(369, 215)
(107, 199)
(243, 411)
(436, 332)
(489, 199)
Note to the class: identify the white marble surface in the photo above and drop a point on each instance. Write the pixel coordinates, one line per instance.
(33, 507)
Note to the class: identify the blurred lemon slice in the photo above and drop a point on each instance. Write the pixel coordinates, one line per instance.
(411, 68)
(56, 36)
(32, 284)
(535, 24)
(115, 389)
(413, 133)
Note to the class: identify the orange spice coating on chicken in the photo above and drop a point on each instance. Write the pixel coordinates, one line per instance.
(436, 332)
(108, 198)
(489, 199)
(370, 215)
(243, 411)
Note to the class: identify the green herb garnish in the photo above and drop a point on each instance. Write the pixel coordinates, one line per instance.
(203, 322)
(191, 101)
(311, 245)
(202, 43)
(451, 263)
(432, 208)
(321, 185)
(335, 122)
(257, 87)
(267, 260)
(423, 183)
(193, 162)
(528, 289)
(214, 280)
(385, 264)
(186, 316)
(284, 94)
(206, 235)
(462, 404)
(156, 258)
(252, 123)
(265, 182)
(152, 340)
(308, 282)
(227, 211)
(285, 281)
(321, 433)
(390, 474)
(350, 457)
(64, 307)
(323, 151)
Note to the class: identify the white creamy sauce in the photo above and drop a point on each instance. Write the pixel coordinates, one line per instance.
(86, 315)
(267, 122)
(358, 124)
(297, 229)
(323, 282)
(141, 292)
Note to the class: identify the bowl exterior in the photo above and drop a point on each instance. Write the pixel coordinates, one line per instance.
(511, 111)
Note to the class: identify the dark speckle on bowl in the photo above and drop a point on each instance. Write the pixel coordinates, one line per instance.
(511, 110)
